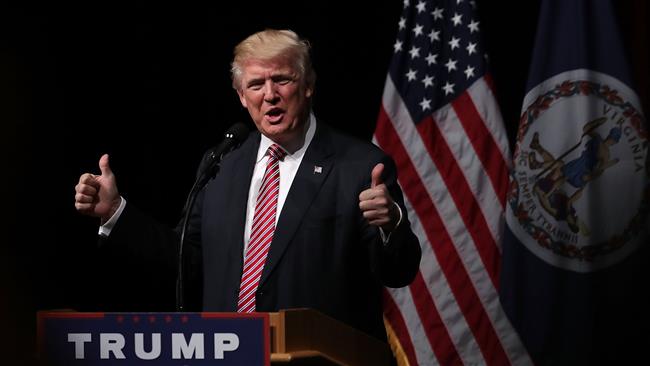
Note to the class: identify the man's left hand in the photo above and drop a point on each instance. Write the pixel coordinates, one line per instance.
(377, 205)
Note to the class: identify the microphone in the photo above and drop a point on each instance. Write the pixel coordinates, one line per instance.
(233, 137)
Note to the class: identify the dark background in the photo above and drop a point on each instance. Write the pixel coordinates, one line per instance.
(148, 82)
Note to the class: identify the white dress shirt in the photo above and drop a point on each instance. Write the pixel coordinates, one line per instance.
(288, 168)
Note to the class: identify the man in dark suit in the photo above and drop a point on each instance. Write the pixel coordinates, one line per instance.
(299, 216)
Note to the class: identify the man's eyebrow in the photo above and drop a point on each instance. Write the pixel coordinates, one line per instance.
(256, 80)
(282, 75)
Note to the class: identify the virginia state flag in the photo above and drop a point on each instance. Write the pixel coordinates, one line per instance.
(573, 278)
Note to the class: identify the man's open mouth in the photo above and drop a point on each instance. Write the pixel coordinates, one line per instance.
(275, 114)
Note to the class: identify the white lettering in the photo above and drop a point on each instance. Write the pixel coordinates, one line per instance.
(79, 339)
(224, 342)
(111, 345)
(111, 342)
(155, 346)
(195, 348)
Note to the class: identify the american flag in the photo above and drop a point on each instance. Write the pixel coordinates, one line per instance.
(440, 121)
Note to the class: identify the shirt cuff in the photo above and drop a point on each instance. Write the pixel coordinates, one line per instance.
(382, 234)
(105, 230)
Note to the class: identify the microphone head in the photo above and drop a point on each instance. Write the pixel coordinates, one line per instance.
(232, 138)
(237, 132)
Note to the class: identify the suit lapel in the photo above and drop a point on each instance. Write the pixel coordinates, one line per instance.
(241, 178)
(313, 170)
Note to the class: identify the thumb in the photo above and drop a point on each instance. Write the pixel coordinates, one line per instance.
(104, 167)
(376, 175)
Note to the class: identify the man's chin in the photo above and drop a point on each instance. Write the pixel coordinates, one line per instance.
(275, 132)
(285, 137)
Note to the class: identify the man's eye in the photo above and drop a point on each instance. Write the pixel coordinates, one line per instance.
(255, 86)
(283, 80)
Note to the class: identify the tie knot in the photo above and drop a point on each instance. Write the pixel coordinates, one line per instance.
(276, 152)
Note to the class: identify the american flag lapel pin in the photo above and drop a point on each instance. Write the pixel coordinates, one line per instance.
(318, 169)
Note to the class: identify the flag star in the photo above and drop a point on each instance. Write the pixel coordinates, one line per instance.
(454, 43)
(434, 35)
(406, 3)
(397, 46)
(458, 1)
(456, 19)
(449, 88)
(437, 13)
(402, 23)
(473, 26)
(421, 6)
(417, 30)
(471, 48)
(451, 65)
(431, 59)
(415, 52)
(425, 104)
(411, 74)
(469, 71)
(473, 4)
(428, 81)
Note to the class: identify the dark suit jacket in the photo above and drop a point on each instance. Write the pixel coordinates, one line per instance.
(324, 254)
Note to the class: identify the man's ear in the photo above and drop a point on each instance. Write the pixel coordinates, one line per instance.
(309, 91)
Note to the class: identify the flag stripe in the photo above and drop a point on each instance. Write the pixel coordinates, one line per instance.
(443, 297)
(436, 332)
(485, 102)
(463, 151)
(415, 335)
(394, 316)
(445, 251)
(464, 200)
(482, 95)
(488, 292)
(484, 145)
(409, 180)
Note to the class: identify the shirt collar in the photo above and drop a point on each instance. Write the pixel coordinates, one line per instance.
(265, 142)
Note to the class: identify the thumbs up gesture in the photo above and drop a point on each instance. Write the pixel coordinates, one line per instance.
(376, 204)
(97, 195)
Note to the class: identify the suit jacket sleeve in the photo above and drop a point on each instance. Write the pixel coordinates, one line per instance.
(139, 237)
(397, 262)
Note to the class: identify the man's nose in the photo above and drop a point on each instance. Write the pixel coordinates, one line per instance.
(270, 92)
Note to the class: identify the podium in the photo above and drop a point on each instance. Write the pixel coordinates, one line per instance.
(289, 337)
(308, 337)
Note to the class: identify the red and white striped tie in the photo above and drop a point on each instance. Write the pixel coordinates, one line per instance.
(261, 231)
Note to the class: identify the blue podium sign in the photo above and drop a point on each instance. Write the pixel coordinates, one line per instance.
(71, 338)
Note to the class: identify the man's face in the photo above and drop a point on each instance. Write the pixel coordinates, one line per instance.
(276, 97)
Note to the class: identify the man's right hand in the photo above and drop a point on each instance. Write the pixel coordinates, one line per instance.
(97, 195)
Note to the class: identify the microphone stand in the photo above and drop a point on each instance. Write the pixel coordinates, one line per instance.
(199, 183)
(209, 168)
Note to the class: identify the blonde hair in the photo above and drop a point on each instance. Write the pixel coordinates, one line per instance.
(268, 45)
